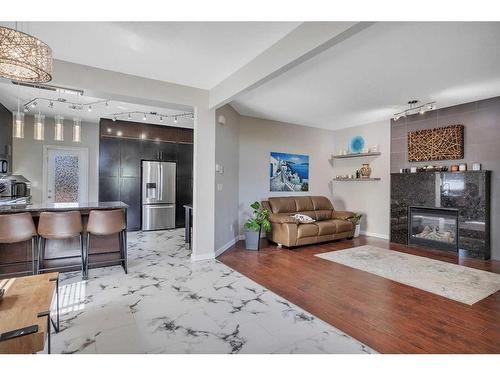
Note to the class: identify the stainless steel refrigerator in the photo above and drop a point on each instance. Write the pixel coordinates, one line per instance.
(158, 195)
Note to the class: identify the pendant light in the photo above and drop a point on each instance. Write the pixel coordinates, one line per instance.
(39, 127)
(24, 57)
(77, 130)
(59, 128)
(18, 122)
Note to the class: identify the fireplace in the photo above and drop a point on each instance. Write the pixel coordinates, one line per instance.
(433, 227)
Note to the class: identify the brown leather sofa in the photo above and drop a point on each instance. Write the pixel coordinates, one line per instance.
(329, 225)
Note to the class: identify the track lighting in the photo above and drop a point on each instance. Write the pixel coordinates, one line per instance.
(413, 108)
(107, 105)
(90, 108)
(114, 118)
(33, 104)
(129, 116)
(144, 117)
(51, 104)
(175, 120)
(161, 118)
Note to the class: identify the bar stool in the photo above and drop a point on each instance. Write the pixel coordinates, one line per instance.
(59, 226)
(16, 228)
(105, 223)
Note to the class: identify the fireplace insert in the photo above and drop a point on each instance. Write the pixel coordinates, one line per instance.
(436, 228)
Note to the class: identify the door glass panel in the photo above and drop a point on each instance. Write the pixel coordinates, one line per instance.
(66, 178)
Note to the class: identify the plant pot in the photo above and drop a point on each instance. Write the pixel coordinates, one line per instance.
(357, 230)
(252, 240)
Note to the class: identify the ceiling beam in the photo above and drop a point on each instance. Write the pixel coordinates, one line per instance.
(301, 44)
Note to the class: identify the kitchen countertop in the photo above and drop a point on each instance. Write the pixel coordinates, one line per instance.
(80, 206)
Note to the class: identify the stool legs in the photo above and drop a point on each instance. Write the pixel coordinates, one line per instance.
(82, 252)
(87, 248)
(34, 252)
(41, 254)
(123, 249)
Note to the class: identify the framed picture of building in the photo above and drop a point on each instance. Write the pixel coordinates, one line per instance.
(288, 172)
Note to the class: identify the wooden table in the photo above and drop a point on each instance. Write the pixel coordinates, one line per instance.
(27, 301)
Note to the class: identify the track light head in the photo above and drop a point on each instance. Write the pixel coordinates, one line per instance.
(144, 117)
(89, 108)
(175, 120)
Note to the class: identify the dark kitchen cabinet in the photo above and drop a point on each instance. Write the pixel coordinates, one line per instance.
(109, 189)
(185, 161)
(109, 157)
(120, 165)
(130, 193)
(184, 195)
(130, 158)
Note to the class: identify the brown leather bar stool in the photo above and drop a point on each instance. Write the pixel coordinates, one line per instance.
(106, 223)
(59, 226)
(18, 228)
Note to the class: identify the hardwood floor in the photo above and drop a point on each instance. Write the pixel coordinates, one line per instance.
(388, 316)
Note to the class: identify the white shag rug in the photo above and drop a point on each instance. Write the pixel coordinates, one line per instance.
(459, 283)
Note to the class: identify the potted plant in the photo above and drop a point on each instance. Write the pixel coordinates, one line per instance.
(254, 226)
(357, 222)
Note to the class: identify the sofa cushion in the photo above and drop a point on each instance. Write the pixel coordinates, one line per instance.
(323, 215)
(282, 205)
(326, 227)
(321, 203)
(307, 230)
(282, 218)
(343, 225)
(303, 204)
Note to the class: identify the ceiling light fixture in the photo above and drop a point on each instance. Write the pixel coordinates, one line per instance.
(59, 128)
(114, 118)
(144, 118)
(39, 127)
(414, 108)
(129, 116)
(175, 120)
(90, 108)
(18, 122)
(24, 57)
(77, 130)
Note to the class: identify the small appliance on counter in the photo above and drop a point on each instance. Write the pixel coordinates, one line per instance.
(4, 166)
(14, 189)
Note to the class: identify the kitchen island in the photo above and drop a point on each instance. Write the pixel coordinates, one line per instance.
(61, 253)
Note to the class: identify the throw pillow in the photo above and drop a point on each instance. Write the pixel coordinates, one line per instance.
(303, 219)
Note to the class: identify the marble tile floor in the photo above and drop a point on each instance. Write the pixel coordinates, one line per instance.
(168, 304)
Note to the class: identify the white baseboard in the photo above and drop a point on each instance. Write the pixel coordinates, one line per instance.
(226, 246)
(371, 234)
(199, 258)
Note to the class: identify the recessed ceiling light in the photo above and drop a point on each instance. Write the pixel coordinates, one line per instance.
(119, 133)
(108, 130)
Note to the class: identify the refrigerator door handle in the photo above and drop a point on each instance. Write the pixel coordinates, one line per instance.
(160, 182)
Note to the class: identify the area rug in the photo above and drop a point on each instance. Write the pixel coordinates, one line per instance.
(459, 283)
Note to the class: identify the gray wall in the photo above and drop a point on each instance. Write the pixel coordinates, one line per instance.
(258, 137)
(481, 120)
(371, 198)
(226, 200)
(27, 153)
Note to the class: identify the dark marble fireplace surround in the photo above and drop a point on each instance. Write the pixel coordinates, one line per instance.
(481, 120)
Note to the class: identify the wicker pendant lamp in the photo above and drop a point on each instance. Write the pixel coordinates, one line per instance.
(23, 57)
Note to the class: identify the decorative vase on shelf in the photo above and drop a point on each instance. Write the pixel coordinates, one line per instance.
(365, 171)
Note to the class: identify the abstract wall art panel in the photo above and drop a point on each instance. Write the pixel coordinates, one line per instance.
(445, 143)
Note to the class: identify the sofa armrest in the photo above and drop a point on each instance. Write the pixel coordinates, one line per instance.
(343, 215)
(282, 219)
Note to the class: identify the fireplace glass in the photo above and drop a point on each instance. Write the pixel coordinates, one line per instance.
(436, 228)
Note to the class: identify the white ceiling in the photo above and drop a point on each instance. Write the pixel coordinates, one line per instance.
(198, 54)
(10, 92)
(370, 76)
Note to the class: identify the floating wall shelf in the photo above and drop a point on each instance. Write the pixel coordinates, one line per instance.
(357, 179)
(361, 154)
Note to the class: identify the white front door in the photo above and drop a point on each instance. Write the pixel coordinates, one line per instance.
(65, 170)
